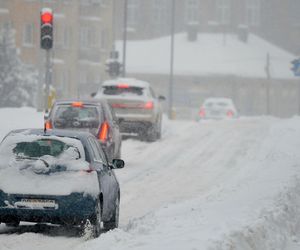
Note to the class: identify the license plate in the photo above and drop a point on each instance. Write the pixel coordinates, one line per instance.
(36, 204)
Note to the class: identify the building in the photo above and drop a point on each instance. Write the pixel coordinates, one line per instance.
(256, 74)
(83, 39)
(276, 20)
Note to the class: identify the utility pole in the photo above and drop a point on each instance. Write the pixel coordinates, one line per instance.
(171, 80)
(267, 68)
(125, 37)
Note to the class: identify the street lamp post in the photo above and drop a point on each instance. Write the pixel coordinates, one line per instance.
(171, 78)
(125, 37)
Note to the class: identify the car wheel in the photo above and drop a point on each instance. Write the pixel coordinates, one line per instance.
(12, 224)
(114, 222)
(92, 227)
(152, 134)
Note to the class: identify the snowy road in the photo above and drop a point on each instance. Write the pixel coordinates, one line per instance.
(211, 185)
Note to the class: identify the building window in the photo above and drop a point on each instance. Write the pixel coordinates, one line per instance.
(28, 34)
(192, 11)
(160, 15)
(223, 11)
(87, 37)
(82, 77)
(132, 16)
(294, 6)
(67, 37)
(253, 8)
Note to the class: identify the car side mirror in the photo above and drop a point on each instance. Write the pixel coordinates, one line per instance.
(93, 94)
(118, 163)
(161, 98)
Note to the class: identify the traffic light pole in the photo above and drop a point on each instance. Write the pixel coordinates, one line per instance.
(171, 80)
(47, 80)
(125, 38)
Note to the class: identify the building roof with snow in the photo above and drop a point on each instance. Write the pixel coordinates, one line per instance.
(211, 55)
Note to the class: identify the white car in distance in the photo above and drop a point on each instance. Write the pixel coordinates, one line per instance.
(217, 108)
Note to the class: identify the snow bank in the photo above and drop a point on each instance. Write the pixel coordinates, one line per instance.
(214, 185)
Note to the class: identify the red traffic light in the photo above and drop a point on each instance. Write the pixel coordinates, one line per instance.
(46, 17)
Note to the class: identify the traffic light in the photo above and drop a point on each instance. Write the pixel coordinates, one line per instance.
(46, 29)
(113, 68)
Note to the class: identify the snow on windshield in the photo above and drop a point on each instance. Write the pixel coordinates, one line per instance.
(37, 164)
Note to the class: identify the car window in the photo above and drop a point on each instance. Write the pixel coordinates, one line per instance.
(95, 150)
(152, 93)
(40, 148)
(208, 104)
(107, 113)
(222, 104)
(100, 151)
(67, 116)
(128, 90)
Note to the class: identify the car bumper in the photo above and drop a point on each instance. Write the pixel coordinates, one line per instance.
(133, 126)
(71, 209)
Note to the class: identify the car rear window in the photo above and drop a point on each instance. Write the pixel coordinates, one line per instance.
(23, 145)
(216, 104)
(40, 148)
(68, 116)
(121, 90)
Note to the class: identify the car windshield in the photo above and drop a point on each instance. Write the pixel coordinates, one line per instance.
(66, 116)
(116, 90)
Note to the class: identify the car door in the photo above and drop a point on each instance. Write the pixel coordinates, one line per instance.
(107, 179)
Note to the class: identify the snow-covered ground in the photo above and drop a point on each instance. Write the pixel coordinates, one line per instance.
(208, 185)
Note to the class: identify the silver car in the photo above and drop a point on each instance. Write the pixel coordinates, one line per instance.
(136, 106)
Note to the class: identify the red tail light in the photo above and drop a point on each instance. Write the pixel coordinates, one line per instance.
(202, 113)
(77, 104)
(103, 134)
(48, 125)
(148, 105)
(123, 86)
(230, 113)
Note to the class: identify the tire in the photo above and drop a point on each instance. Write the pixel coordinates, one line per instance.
(152, 133)
(114, 221)
(12, 224)
(92, 227)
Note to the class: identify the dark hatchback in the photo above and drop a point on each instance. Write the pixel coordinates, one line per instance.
(95, 116)
(59, 177)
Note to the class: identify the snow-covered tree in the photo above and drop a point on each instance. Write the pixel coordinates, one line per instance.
(18, 82)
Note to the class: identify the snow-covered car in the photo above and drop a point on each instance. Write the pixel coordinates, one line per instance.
(136, 106)
(217, 108)
(59, 177)
(95, 116)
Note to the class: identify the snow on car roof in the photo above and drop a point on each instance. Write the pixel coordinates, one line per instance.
(130, 81)
(218, 99)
